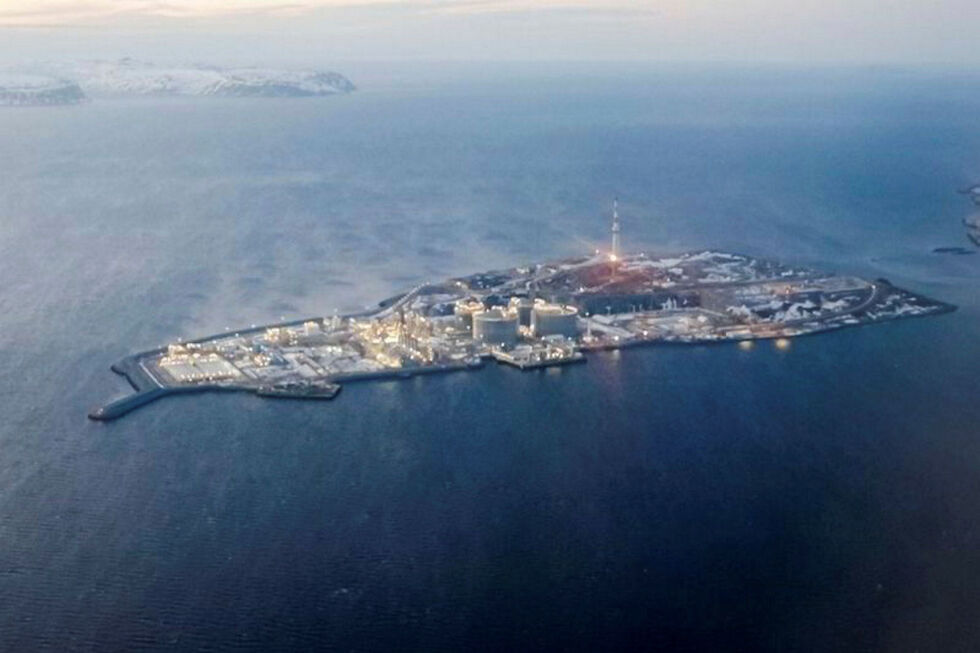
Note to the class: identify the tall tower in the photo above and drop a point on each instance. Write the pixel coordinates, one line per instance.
(614, 255)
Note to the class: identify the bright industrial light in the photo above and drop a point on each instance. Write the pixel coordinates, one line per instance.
(613, 258)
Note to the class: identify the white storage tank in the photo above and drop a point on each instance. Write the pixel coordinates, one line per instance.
(523, 306)
(464, 311)
(495, 327)
(554, 320)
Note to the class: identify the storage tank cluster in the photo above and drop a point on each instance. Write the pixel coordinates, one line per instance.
(554, 320)
(500, 325)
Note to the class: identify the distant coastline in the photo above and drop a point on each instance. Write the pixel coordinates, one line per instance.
(66, 83)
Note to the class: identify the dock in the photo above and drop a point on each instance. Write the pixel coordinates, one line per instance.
(532, 362)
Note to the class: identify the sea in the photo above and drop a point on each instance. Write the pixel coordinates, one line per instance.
(825, 497)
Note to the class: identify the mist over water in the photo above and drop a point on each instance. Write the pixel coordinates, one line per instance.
(690, 497)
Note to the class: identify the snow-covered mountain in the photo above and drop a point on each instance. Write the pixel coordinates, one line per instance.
(130, 77)
(31, 90)
(127, 77)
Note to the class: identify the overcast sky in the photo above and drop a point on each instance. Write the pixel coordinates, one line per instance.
(863, 31)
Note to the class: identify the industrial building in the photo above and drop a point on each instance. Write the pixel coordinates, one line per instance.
(193, 368)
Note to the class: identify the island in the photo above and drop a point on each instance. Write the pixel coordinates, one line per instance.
(528, 317)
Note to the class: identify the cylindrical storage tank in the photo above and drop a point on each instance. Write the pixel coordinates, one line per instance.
(464, 311)
(554, 320)
(523, 306)
(495, 327)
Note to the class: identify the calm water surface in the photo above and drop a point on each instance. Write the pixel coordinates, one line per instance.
(821, 498)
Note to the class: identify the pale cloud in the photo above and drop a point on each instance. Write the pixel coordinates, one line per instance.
(61, 12)
(501, 6)
(645, 30)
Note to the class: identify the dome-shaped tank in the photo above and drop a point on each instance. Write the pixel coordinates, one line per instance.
(554, 320)
(464, 311)
(495, 327)
(523, 306)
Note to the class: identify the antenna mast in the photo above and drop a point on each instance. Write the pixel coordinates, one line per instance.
(614, 255)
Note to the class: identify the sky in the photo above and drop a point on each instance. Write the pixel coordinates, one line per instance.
(742, 31)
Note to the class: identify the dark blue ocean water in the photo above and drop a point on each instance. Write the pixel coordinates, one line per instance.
(703, 498)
